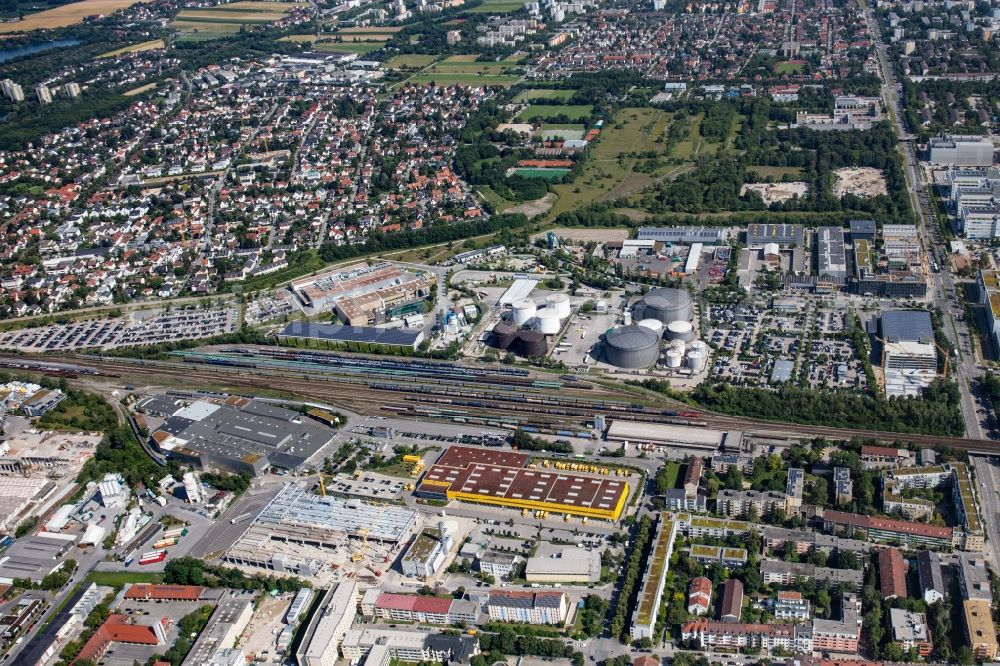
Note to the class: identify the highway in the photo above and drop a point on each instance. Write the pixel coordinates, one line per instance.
(943, 287)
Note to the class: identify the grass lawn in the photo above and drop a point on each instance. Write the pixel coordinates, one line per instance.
(540, 93)
(788, 68)
(490, 196)
(448, 78)
(496, 7)
(348, 47)
(547, 174)
(545, 111)
(775, 172)
(673, 473)
(608, 170)
(467, 64)
(119, 578)
(411, 60)
(688, 148)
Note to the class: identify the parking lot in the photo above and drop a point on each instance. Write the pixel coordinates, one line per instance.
(754, 344)
(141, 328)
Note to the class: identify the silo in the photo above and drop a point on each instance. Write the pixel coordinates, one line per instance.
(655, 325)
(531, 343)
(696, 360)
(558, 302)
(674, 358)
(700, 346)
(547, 321)
(680, 330)
(667, 305)
(524, 310)
(678, 345)
(504, 334)
(631, 347)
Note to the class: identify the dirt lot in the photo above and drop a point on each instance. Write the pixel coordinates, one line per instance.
(586, 235)
(260, 633)
(862, 182)
(776, 192)
(70, 14)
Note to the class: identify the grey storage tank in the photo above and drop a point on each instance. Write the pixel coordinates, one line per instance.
(531, 343)
(631, 347)
(504, 334)
(667, 305)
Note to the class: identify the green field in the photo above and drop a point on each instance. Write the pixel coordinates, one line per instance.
(496, 7)
(494, 199)
(540, 93)
(545, 111)
(117, 578)
(608, 169)
(445, 79)
(411, 60)
(547, 174)
(788, 68)
(562, 131)
(348, 47)
(775, 172)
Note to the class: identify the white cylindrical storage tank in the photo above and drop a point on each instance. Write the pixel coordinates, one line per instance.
(699, 345)
(524, 310)
(628, 318)
(547, 321)
(696, 360)
(674, 358)
(655, 325)
(558, 302)
(680, 330)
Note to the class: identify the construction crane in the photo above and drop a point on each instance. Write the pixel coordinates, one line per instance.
(360, 553)
(322, 485)
(943, 352)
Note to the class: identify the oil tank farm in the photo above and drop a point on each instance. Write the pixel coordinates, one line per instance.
(559, 303)
(524, 311)
(667, 305)
(631, 347)
(531, 343)
(504, 334)
(655, 325)
(680, 330)
(547, 321)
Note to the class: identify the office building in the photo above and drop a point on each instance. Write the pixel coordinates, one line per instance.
(831, 253)
(230, 617)
(563, 564)
(966, 151)
(428, 552)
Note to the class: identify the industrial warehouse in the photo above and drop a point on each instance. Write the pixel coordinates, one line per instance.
(502, 478)
(236, 434)
(297, 532)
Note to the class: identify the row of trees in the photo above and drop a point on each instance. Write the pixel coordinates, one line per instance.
(634, 567)
(192, 571)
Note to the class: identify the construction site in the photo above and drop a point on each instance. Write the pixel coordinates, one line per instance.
(321, 536)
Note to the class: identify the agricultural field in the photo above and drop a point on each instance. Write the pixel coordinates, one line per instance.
(151, 45)
(70, 14)
(412, 61)
(229, 18)
(463, 69)
(497, 7)
(141, 89)
(608, 168)
(546, 111)
(539, 93)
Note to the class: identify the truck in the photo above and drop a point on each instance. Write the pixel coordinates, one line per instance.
(161, 500)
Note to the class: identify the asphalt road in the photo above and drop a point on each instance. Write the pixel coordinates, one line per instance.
(943, 285)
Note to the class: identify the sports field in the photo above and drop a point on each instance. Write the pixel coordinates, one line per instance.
(546, 111)
(70, 14)
(466, 70)
(540, 93)
(135, 48)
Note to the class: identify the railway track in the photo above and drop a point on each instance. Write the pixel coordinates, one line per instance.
(361, 393)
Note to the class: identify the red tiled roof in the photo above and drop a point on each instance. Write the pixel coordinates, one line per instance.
(883, 451)
(432, 605)
(901, 526)
(116, 629)
(891, 573)
(164, 592)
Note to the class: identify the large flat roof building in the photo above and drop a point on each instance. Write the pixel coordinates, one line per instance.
(979, 629)
(708, 235)
(490, 476)
(785, 235)
(831, 254)
(238, 435)
(566, 564)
